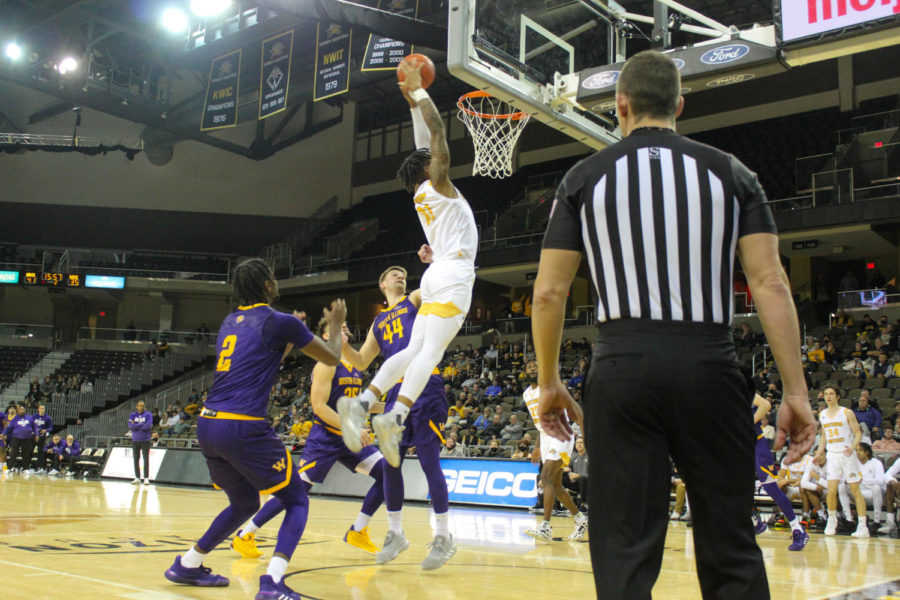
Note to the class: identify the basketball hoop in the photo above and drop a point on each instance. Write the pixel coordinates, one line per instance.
(495, 127)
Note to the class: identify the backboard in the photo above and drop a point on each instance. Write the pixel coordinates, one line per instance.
(522, 51)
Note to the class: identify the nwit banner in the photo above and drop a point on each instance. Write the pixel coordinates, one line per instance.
(332, 74)
(275, 73)
(220, 108)
(383, 53)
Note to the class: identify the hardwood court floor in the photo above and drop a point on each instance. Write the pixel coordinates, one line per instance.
(78, 539)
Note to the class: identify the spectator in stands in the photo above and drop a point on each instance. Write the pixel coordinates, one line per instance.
(140, 422)
(883, 369)
(494, 390)
(576, 379)
(51, 451)
(450, 372)
(523, 451)
(153, 350)
(832, 356)
(452, 449)
(279, 426)
(493, 450)
(130, 332)
(858, 370)
(452, 418)
(816, 354)
(174, 418)
(895, 419)
(498, 412)
(68, 455)
(483, 420)
(477, 394)
(43, 425)
(494, 430)
(20, 435)
(513, 430)
(157, 418)
(867, 324)
(842, 320)
(154, 439)
(869, 416)
(887, 443)
(858, 352)
(470, 437)
(578, 473)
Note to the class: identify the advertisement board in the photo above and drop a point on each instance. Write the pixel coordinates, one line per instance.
(814, 17)
(120, 463)
(491, 482)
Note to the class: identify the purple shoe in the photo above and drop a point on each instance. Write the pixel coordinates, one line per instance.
(201, 576)
(759, 527)
(800, 540)
(269, 590)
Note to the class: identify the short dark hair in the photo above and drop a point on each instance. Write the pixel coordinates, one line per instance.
(867, 449)
(837, 392)
(250, 278)
(412, 170)
(652, 83)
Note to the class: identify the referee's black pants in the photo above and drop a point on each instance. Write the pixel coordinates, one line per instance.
(657, 389)
(139, 449)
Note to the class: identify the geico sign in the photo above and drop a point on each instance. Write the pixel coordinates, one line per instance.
(496, 483)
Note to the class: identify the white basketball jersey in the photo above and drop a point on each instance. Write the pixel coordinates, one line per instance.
(796, 470)
(532, 396)
(448, 223)
(838, 434)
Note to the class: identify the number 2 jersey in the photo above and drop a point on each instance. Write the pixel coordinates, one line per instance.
(323, 438)
(392, 329)
(250, 347)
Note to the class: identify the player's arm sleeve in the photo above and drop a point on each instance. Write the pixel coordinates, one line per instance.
(806, 483)
(755, 213)
(564, 227)
(281, 329)
(892, 472)
(421, 134)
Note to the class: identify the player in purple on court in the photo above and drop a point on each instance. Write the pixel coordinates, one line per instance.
(324, 448)
(424, 428)
(244, 455)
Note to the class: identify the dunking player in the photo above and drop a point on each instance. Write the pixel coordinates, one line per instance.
(838, 425)
(324, 448)
(390, 334)
(244, 455)
(765, 472)
(446, 288)
(555, 454)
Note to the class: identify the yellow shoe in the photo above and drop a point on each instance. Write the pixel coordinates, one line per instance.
(361, 540)
(246, 546)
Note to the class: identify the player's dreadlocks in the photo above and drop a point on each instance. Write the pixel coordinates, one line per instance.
(412, 171)
(250, 279)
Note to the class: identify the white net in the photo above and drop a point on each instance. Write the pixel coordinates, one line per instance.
(495, 127)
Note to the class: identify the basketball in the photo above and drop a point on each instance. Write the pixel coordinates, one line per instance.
(427, 68)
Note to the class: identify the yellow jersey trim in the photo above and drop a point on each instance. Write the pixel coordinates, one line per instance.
(219, 414)
(566, 459)
(767, 472)
(306, 467)
(327, 427)
(394, 305)
(441, 309)
(437, 431)
(347, 365)
(287, 478)
(253, 306)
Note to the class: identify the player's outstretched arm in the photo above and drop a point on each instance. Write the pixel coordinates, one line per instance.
(762, 406)
(329, 352)
(362, 358)
(416, 298)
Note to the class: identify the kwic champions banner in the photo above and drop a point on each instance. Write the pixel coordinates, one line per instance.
(492, 482)
(275, 73)
(220, 107)
(805, 18)
(383, 53)
(332, 74)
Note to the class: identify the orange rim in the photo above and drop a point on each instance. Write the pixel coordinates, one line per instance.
(480, 94)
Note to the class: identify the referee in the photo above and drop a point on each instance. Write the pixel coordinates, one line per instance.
(659, 219)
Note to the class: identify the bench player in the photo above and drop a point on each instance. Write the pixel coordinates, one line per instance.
(841, 436)
(390, 334)
(555, 455)
(325, 447)
(244, 455)
(446, 289)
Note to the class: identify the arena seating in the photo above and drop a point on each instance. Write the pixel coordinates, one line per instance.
(16, 361)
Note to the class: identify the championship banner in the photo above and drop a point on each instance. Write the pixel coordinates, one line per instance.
(220, 107)
(275, 73)
(332, 76)
(383, 53)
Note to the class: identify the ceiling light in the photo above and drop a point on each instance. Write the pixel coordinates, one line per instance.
(209, 8)
(67, 65)
(174, 20)
(13, 51)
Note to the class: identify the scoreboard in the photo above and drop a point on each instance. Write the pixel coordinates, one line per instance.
(57, 280)
(61, 281)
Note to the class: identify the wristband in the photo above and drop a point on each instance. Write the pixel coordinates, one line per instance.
(419, 95)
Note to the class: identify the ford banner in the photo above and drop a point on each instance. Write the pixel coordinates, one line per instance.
(490, 481)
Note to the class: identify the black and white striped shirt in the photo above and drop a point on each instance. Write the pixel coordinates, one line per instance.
(658, 217)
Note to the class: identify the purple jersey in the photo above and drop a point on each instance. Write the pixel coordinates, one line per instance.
(140, 424)
(21, 427)
(43, 422)
(251, 344)
(347, 381)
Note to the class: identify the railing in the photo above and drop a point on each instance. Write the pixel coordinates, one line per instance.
(872, 298)
(146, 335)
(155, 273)
(759, 360)
(871, 122)
(27, 331)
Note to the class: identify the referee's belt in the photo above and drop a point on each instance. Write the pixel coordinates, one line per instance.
(220, 414)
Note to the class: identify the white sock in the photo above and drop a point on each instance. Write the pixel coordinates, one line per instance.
(822, 514)
(862, 521)
(795, 524)
(890, 517)
(545, 523)
(362, 520)
(192, 559)
(250, 527)
(400, 409)
(579, 515)
(395, 521)
(367, 398)
(277, 567)
(441, 526)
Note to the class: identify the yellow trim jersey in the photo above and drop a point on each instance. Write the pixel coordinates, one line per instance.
(448, 224)
(836, 428)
